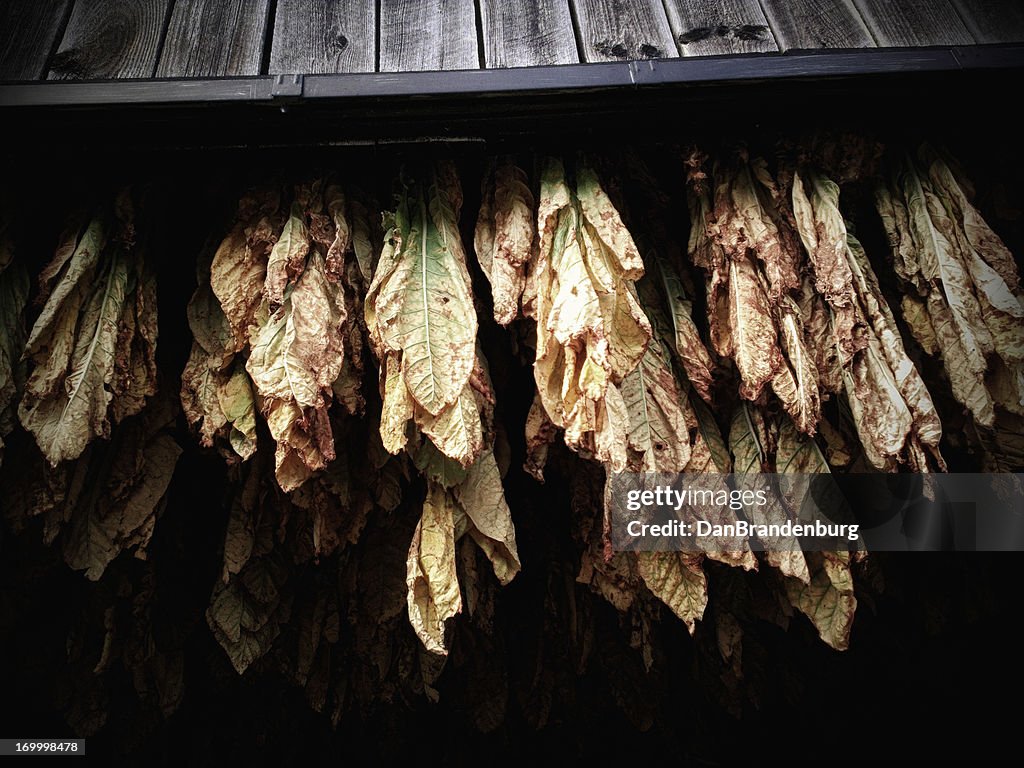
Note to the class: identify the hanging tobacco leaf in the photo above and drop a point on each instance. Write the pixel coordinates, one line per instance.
(591, 330)
(505, 230)
(92, 348)
(893, 411)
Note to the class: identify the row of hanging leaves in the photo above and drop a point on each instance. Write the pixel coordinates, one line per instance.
(311, 291)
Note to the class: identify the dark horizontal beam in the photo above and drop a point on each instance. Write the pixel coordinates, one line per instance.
(566, 107)
(554, 79)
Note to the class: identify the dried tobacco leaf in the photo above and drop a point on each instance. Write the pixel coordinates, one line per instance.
(419, 305)
(482, 499)
(688, 347)
(252, 600)
(677, 579)
(750, 457)
(116, 490)
(239, 268)
(246, 613)
(93, 344)
(658, 430)
(742, 327)
(474, 501)
(433, 587)
(299, 337)
(216, 393)
(891, 407)
(796, 381)
(828, 600)
(964, 302)
(504, 236)
(591, 330)
(422, 323)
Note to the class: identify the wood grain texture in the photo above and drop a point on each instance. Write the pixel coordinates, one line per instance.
(993, 21)
(703, 27)
(213, 38)
(108, 39)
(324, 37)
(617, 30)
(528, 33)
(913, 22)
(28, 31)
(817, 24)
(418, 36)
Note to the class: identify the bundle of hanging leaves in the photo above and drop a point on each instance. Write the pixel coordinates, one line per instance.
(340, 367)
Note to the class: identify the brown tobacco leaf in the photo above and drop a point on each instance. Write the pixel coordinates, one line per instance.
(297, 353)
(688, 346)
(216, 394)
(975, 230)
(297, 360)
(750, 457)
(540, 433)
(750, 338)
(927, 427)
(504, 237)
(287, 258)
(824, 235)
(819, 339)
(239, 268)
(739, 311)
(747, 220)
(966, 309)
(796, 382)
(891, 407)
(658, 432)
